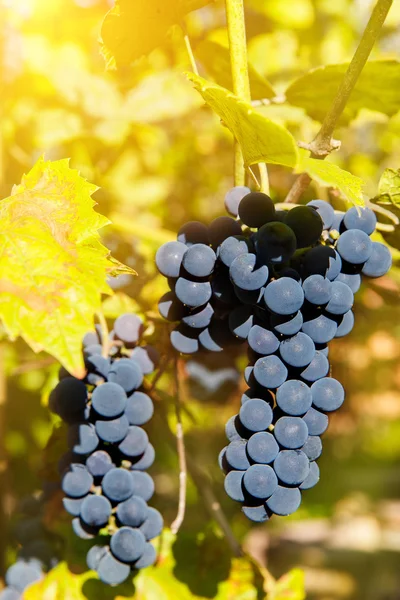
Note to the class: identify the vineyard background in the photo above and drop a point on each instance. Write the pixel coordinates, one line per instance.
(161, 158)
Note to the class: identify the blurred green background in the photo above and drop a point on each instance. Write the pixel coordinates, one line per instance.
(161, 158)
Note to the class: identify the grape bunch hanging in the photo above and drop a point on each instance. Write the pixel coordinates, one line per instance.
(104, 475)
(284, 281)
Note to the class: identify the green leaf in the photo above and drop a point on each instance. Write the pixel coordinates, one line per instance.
(289, 587)
(260, 139)
(389, 187)
(59, 584)
(132, 29)
(330, 175)
(216, 60)
(53, 268)
(378, 89)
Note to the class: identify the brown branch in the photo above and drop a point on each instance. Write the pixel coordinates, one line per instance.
(322, 145)
(180, 442)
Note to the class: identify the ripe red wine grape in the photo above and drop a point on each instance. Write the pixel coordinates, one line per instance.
(291, 432)
(260, 481)
(284, 501)
(284, 296)
(256, 209)
(325, 211)
(199, 260)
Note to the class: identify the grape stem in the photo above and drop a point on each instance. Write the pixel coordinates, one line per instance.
(180, 443)
(323, 144)
(240, 78)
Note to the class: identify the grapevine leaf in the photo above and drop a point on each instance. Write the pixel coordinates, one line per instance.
(389, 187)
(53, 268)
(216, 60)
(329, 174)
(289, 587)
(377, 89)
(59, 584)
(260, 139)
(131, 29)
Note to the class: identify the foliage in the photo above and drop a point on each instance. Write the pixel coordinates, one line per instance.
(54, 266)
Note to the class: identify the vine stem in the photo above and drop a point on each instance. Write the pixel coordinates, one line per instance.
(323, 143)
(190, 53)
(240, 77)
(180, 442)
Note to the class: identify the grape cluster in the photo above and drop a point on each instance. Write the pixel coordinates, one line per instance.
(104, 479)
(284, 281)
(37, 552)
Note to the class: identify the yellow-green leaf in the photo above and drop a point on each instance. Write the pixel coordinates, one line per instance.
(216, 60)
(330, 175)
(378, 89)
(59, 584)
(389, 187)
(131, 29)
(289, 587)
(53, 268)
(260, 139)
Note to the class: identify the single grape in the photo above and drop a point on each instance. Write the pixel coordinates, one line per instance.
(312, 478)
(77, 482)
(153, 525)
(233, 198)
(262, 340)
(171, 308)
(98, 368)
(256, 415)
(185, 340)
(82, 438)
(193, 293)
(169, 258)
(245, 275)
(233, 247)
(256, 209)
(134, 443)
(262, 447)
(128, 328)
(325, 211)
(223, 289)
(132, 512)
(313, 447)
(352, 280)
(354, 246)
(297, 351)
(144, 485)
(95, 511)
(276, 243)
(148, 557)
(193, 232)
(284, 296)
(321, 330)
(306, 224)
(236, 455)
(294, 397)
(199, 318)
(317, 290)
(199, 260)
(118, 485)
(345, 325)
(292, 467)
(111, 571)
(258, 514)
(327, 394)
(291, 432)
(342, 299)
(270, 372)
(360, 218)
(260, 481)
(316, 422)
(144, 462)
(379, 261)
(233, 485)
(68, 399)
(22, 574)
(109, 400)
(94, 556)
(318, 368)
(139, 408)
(284, 501)
(112, 431)
(287, 325)
(99, 463)
(222, 228)
(241, 321)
